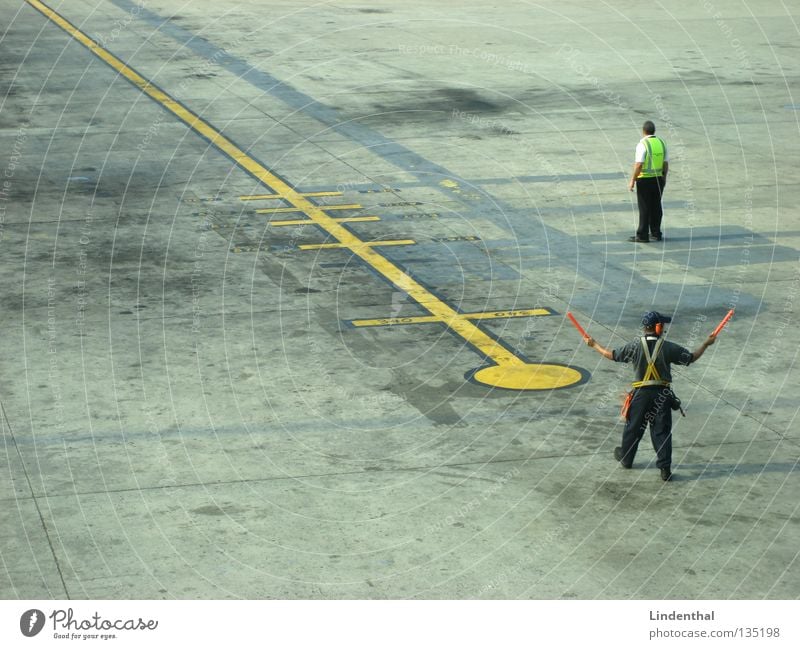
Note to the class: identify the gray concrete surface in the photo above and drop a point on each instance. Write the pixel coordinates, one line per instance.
(187, 413)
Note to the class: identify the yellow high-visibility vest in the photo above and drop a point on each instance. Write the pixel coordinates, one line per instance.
(655, 152)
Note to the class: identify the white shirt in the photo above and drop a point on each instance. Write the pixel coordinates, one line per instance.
(641, 150)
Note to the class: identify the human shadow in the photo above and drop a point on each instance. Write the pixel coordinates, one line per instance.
(713, 471)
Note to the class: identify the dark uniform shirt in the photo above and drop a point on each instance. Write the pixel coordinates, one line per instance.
(670, 353)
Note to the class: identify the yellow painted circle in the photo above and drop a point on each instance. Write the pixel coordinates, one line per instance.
(531, 376)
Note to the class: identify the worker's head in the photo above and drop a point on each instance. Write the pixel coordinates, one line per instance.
(652, 322)
(648, 128)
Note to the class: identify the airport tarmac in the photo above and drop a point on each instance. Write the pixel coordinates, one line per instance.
(285, 286)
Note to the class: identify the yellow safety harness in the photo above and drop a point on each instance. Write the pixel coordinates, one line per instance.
(651, 375)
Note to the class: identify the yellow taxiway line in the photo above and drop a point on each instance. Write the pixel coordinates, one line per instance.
(508, 370)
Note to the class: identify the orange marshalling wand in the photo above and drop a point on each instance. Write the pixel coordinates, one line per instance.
(723, 323)
(579, 328)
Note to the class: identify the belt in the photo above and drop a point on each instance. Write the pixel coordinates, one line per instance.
(647, 384)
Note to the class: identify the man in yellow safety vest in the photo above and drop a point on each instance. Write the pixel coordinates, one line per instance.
(649, 176)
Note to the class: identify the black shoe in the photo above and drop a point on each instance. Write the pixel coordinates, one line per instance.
(618, 457)
(638, 240)
(658, 237)
(666, 474)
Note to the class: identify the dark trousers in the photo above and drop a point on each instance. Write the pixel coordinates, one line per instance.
(650, 406)
(648, 196)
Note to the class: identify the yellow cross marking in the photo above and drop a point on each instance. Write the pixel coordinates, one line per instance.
(343, 219)
(298, 208)
(266, 197)
(424, 319)
(360, 245)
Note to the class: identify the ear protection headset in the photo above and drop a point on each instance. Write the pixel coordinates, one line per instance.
(655, 321)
